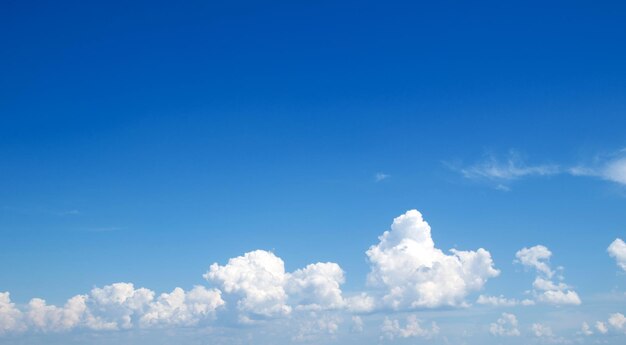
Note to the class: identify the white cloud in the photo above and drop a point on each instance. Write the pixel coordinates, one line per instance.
(618, 321)
(315, 326)
(609, 167)
(317, 286)
(392, 329)
(264, 289)
(259, 277)
(601, 327)
(501, 301)
(416, 274)
(381, 176)
(361, 303)
(117, 305)
(585, 329)
(10, 316)
(183, 308)
(506, 325)
(357, 324)
(540, 330)
(544, 289)
(536, 257)
(513, 167)
(617, 250)
(45, 317)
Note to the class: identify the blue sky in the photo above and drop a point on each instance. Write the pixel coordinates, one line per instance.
(141, 143)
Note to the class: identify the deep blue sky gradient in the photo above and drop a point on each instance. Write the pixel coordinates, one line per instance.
(142, 142)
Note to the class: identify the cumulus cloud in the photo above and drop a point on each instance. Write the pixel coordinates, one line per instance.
(392, 329)
(585, 329)
(617, 250)
(536, 257)
(183, 308)
(417, 274)
(317, 286)
(259, 278)
(601, 327)
(112, 307)
(506, 325)
(544, 288)
(618, 321)
(46, 318)
(264, 289)
(540, 330)
(10, 316)
(501, 301)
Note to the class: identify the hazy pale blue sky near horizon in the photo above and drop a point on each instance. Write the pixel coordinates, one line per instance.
(141, 142)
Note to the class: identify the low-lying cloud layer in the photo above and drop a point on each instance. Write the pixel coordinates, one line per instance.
(407, 273)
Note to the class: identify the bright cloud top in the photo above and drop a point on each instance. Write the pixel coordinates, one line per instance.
(414, 273)
(617, 250)
(544, 287)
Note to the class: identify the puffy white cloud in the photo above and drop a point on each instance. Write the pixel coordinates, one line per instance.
(259, 277)
(10, 316)
(117, 306)
(416, 274)
(585, 329)
(501, 301)
(361, 303)
(617, 250)
(392, 328)
(45, 317)
(266, 290)
(540, 330)
(183, 308)
(544, 289)
(618, 321)
(536, 257)
(601, 327)
(506, 325)
(317, 286)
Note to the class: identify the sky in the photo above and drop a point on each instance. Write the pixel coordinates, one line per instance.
(328, 172)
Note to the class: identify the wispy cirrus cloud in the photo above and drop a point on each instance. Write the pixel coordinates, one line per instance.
(502, 171)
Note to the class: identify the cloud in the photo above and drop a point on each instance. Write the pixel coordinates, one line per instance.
(617, 250)
(618, 321)
(506, 325)
(183, 308)
(544, 289)
(317, 286)
(259, 278)
(392, 329)
(601, 327)
(501, 301)
(608, 167)
(511, 168)
(10, 316)
(416, 274)
(112, 307)
(264, 289)
(540, 330)
(585, 329)
(536, 257)
(43, 317)
(381, 176)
